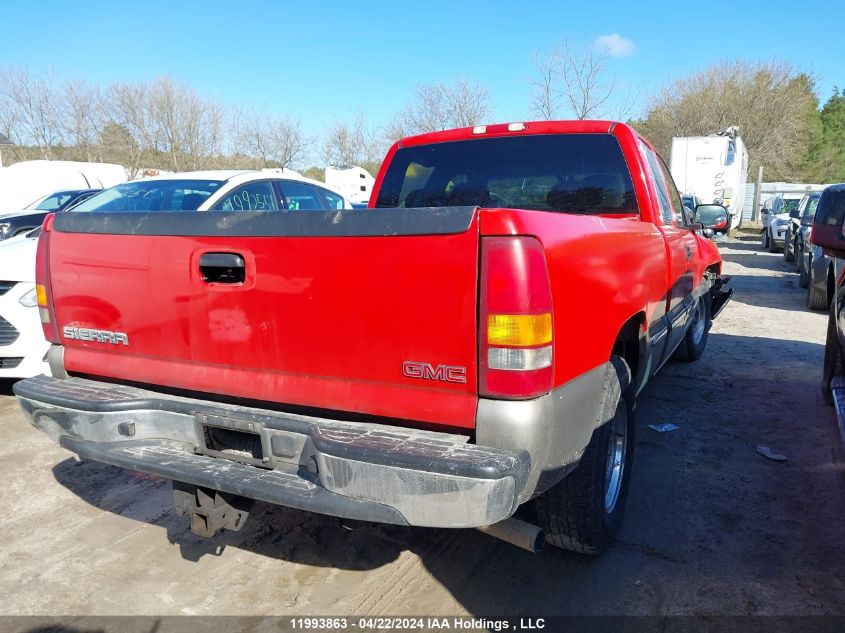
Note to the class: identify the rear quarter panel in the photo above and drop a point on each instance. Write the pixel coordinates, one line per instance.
(603, 271)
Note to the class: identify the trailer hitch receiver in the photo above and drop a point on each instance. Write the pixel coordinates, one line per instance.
(210, 510)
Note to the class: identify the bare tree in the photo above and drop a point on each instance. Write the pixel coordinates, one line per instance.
(574, 80)
(158, 124)
(128, 123)
(462, 103)
(32, 103)
(81, 118)
(274, 141)
(352, 143)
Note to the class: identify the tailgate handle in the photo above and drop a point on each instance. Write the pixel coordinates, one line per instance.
(222, 268)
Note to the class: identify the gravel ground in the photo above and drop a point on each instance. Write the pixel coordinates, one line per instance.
(711, 527)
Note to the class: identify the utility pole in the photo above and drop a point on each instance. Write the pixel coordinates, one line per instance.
(4, 140)
(755, 212)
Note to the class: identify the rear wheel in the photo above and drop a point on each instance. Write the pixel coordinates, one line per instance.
(583, 511)
(788, 250)
(803, 272)
(834, 364)
(816, 299)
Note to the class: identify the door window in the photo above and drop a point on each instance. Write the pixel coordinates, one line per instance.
(300, 196)
(334, 201)
(674, 196)
(663, 197)
(254, 196)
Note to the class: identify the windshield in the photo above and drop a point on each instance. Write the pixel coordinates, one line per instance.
(810, 209)
(790, 205)
(53, 201)
(570, 173)
(151, 195)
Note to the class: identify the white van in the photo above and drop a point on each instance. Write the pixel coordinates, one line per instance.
(23, 183)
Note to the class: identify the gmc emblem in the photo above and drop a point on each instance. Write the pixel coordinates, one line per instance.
(426, 371)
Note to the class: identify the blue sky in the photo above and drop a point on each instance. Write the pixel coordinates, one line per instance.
(323, 61)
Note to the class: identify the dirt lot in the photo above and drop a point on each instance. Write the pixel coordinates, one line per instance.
(711, 527)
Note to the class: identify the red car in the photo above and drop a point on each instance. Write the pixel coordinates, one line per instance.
(472, 342)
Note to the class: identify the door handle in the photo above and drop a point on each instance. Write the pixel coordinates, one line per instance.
(222, 268)
(689, 252)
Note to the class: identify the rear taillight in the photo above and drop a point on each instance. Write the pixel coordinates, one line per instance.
(43, 290)
(516, 320)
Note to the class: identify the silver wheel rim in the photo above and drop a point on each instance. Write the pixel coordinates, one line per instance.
(697, 323)
(617, 451)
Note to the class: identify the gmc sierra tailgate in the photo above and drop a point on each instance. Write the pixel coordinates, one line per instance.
(370, 311)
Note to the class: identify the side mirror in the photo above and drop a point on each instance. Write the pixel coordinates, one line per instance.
(764, 211)
(712, 216)
(708, 233)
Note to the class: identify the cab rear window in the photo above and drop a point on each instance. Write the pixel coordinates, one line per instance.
(568, 173)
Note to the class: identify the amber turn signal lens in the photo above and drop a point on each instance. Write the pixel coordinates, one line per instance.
(519, 330)
(41, 295)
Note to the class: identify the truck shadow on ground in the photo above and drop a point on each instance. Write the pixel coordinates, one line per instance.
(708, 519)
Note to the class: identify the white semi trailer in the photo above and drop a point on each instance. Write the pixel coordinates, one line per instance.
(355, 183)
(714, 168)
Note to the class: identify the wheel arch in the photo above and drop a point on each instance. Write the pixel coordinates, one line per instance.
(631, 344)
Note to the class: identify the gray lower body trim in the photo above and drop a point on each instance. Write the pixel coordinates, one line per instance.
(554, 429)
(367, 471)
(56, 361)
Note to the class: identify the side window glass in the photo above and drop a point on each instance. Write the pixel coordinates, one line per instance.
(254, 196)
(300, 196)
(333, 200)
(675, 197)
(663, 199)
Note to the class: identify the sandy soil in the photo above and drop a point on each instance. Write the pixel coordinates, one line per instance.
(711, 526)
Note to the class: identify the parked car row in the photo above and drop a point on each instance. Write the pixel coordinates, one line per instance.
(23, 348)
(790, 229)
(827, 236)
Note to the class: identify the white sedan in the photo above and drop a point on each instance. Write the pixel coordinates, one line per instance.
(23, 349)
(218, 190)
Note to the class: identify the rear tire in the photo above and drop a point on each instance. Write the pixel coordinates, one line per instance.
(816, 299)
(583, 512)
(834, 364)
(692, 345)
(803, 274)
(788, 255)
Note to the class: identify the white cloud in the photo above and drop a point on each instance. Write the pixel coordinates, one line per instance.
(615, 45)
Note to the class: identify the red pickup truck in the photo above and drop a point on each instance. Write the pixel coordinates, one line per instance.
(472, 342)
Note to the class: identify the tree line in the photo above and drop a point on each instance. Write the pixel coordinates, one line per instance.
(166, 124)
